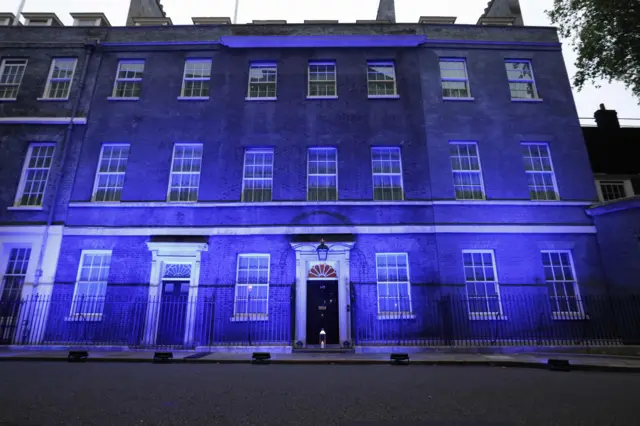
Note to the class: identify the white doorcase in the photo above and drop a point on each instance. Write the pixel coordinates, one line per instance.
(167, 253)
(338, 258)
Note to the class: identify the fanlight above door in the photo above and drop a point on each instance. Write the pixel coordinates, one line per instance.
(322, 271)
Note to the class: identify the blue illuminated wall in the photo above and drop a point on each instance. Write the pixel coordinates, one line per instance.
(419, 122)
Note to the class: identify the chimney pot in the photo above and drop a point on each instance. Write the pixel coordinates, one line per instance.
(606, 119)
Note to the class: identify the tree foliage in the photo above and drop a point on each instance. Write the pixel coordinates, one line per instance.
(606, 36)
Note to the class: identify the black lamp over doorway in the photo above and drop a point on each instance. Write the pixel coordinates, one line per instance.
(323, 251)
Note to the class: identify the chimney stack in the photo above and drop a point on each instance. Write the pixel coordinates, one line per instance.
(386, 11)
(498, 10)
(607, 119)
(144, 9)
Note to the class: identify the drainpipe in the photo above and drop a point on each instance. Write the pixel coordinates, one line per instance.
(90, 46)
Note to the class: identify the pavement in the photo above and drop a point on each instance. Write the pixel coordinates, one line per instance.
(97, 394)
(607, 363)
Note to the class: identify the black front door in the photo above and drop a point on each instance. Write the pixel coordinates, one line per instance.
(173, 312)
(322, 311)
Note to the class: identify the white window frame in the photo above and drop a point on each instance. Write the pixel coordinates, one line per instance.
(259, 65)
(310, 175)
(99, 173)
(5, 268)
(244, 171)
(334, 81)
(454, 79)
(532, 80)
(478, 172)
(398, 314)
(94, 316)
(171, 172)
(136, 80)
(246, 316)
(374, 174)
(5, 22)
(576, 288)
(203, 79)
(17, 85)
(484, 315)
(626, 183)
(26, 168)
(552, 171)
(50, 78)
(390, 64)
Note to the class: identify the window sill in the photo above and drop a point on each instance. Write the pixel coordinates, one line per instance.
(193, 98)
(113, 98)
(537, 100)
(8, 99)
(322, 97)
(486, 317)
(33, 208)
(247, 318)
(396, 316)
(53, 99)
(84, 318)
(261, 99)
(459, 99)
(383, 96)
(568, 316)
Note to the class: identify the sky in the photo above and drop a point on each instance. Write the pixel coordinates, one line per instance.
(614, 95)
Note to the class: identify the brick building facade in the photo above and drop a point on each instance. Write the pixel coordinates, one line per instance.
(176, 185)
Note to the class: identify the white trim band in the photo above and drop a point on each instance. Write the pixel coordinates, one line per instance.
(332, 203)
(358, 229)
(42, 120)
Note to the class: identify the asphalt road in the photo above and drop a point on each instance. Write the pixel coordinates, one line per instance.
(56, 393)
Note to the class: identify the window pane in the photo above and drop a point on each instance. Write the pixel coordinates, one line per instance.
(185, 173)
(482, 284)
(562, 285)
(465, 165)
(258, 175)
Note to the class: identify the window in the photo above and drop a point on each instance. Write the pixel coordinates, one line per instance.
(11, 73)
(262, 81)
(322, 174)
(185, 172)
(35, 174)
(14, 275)
(560, 277)
(257, 181)
(252, 286)
(455, 81)
(381, 79)
(482, 284)
(537, 163)
(322, 80)
(610, 190)
(521, 81)
(196, 79)
(467, 176)
(128, 79)
(91, 285)
(60, 78)
(110, 175)
(387, 174)
(394, 288)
